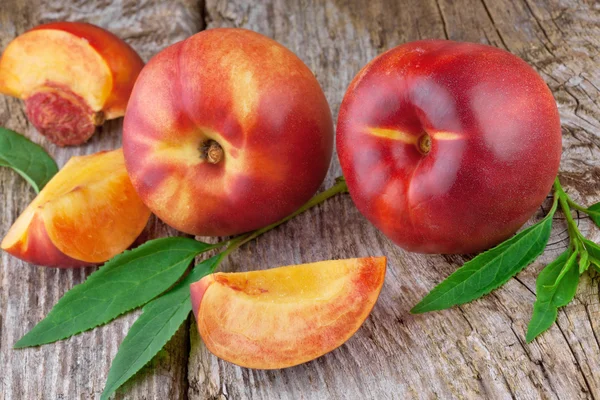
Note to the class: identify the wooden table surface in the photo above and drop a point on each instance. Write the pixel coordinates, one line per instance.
(473, 351)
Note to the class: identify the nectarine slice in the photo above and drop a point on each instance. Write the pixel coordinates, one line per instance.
(285, 316)
(88, 213)
(72, 77)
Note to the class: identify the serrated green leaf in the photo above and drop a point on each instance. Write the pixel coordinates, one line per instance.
(544, 315)
(158, 323)
(129, 280)
(27, 158)
(489, 270)
(556, 286)
(594, 212)
(548, 275)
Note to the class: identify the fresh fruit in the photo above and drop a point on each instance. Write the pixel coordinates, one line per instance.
(88, 213)
(448, 147)
(72, 76)
(285, 316)
(226, 132)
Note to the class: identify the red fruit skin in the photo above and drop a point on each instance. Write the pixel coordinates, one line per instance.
(495, 145)
(258, 101)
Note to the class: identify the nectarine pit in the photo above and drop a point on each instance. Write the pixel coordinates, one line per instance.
(61, 115)
(211, 151)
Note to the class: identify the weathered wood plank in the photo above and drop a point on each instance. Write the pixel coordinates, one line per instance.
(473, 351)
(77, 367)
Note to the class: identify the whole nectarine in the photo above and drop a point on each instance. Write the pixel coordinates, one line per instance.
(72, 76)
(87, 213)
(285, 316)
(448, 147)
(226, 132)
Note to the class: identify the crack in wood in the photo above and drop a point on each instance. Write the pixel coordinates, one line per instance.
(444, 23)
(578, 364)
(489, 14)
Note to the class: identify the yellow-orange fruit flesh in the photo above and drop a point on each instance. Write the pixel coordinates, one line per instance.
(88, 213)
(285, 316)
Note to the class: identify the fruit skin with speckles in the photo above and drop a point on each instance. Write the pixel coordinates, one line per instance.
(285, 316)
(226, 132)
(448, 147)
(72, 76)
(87, 213)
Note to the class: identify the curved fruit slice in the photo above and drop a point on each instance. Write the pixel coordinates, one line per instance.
(285, 316)
(72, 76)
(88, 213)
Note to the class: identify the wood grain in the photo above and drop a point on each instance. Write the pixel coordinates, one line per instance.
(473, 351)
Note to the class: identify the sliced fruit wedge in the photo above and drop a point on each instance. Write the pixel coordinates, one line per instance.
(88, 213)
(285, 316)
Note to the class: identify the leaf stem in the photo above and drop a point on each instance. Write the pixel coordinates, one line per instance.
(564, 200)
(238, 241)
(576, 206)
(339, 187)
(232, 244)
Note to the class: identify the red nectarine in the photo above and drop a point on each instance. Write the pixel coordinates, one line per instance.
(226, 132)
(448, 147)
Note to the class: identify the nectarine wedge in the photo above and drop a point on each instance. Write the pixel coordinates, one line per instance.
(285, 316)
(88, 213)
(72, 76)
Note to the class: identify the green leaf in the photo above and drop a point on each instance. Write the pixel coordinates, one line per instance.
(158, 323)
(489, 270)
(593, 251)
(129, 280)
(556, 286)
(27, 158)
(566, 285)
(592, 248)
(594, 212)
(544, 315)
(548, 275)
(584, 261)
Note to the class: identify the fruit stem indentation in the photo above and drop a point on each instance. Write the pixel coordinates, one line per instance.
(425, 143)
(211, 151)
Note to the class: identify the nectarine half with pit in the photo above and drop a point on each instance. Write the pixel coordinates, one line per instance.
(87, 213)
(72, 76)
(448, 147)
(226, 132)
(285, 316)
